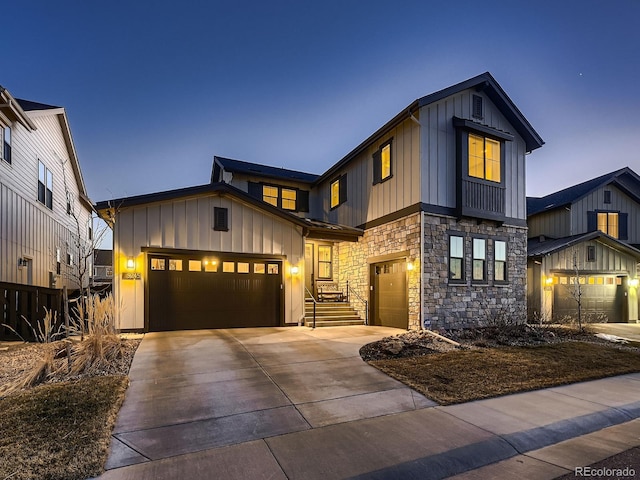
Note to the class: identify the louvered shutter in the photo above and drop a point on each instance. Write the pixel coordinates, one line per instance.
(255, 190)
(377, 167)
(303, 201)
(343, 188)
(622, 226)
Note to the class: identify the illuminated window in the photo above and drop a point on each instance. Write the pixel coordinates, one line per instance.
(382, 163)
(175, 265)
(324, 261)
(479, 259)
(270, 195)
(500, 261)
(195, 266)
(484, 158)
(157, 264)
(608, 223)
(339, 191)
(258, 268)
(228, 267)
(272, 268)
(288, 199)
(243, 267)
(456, 258)
(45, 185)
(563, 280)
(210, 266)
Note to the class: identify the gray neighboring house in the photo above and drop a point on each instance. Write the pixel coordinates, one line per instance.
(425, 220)
(587, 233)
(102, 267)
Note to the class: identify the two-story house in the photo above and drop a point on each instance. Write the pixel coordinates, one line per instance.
(45, 214)
(585, 239)
(426, 220)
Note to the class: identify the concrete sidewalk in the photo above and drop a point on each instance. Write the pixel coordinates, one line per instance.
(296, 403)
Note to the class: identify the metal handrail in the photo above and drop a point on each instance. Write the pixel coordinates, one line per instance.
(315, 302)
(359, 297)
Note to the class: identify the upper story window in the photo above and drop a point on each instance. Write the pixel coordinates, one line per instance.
(484, 158)
(607, 196)
(479, 259)
(287, 198)
(608, 223)
(45, 185)
(456, 258)
(324, 261)
(382, 163)
(338, 191)
(5, 140)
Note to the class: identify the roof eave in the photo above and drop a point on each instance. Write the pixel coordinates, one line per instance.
(8, 100)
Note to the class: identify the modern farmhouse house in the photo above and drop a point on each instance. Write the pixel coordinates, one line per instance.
(587, 233)
(45, 214)
(425, 220)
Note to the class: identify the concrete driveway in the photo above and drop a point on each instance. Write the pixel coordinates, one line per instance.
(630, 331)
(195, 390)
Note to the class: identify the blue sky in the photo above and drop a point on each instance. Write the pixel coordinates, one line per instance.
(155, 89)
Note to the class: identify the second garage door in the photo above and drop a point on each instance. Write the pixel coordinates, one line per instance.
(191, 292)
(601, 295)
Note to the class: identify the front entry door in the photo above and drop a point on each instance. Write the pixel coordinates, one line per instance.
(390, 304)
(309, 271)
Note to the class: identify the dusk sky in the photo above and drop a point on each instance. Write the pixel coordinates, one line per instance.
(153, 90)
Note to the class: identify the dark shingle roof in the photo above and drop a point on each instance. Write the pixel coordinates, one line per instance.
(537, 247)
(28, 105)
(249, 168)
(625, 179)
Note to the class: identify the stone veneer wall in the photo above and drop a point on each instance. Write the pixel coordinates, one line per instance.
(394, 237)
(448, 306)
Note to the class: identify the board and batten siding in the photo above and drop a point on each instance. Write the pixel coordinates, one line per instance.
(553, 224)
(367, 202)
(27, 227)
(438, 145)
(620, 201)
(187, 224)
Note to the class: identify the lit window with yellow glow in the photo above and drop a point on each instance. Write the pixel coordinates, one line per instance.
(385, 157)
(335, 193)
(288, 199)
(484, 158)
(608, 223)
(324, 261)
(228, 267)
(270, 195)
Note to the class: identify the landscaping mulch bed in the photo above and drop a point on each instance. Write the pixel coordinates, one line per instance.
(498, 360)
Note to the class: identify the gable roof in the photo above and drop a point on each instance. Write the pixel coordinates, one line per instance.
(11, 106)
(537, 248)
(483, 82)
(249, 168)
(28, 105)
(311, 228)
(625, 179)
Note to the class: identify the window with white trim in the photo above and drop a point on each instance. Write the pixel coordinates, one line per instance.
(456, 258)
(479, 273)
(500, 261)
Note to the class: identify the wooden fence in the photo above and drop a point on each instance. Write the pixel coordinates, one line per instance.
(19, 302)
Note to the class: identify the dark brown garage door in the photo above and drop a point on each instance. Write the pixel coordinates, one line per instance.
(190, 292)
(601, 295)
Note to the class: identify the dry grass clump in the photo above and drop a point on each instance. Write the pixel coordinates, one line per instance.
(59, 431)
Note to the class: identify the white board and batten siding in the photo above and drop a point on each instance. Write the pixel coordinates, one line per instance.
(28, 229)
(438, 144)
(367, 202)
(187, 224)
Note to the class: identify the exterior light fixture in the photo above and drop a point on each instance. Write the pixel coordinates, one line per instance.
(131, 263)
(549, 280)
(633, 282)
(409, 265)
(294, 270)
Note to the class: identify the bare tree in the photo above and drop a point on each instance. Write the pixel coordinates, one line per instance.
(575, 289)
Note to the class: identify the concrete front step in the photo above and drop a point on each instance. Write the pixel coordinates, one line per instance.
(331, 314)
(332, 323)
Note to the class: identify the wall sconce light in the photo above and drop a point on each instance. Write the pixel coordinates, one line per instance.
(22, 262)
(131, 263)
(633, 282)
(409, 265)
(294, 270)
(549, 280)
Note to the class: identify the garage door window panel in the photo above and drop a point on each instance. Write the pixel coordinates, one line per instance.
(195, 265)
(259, 268)
(228, 267)
(243, 267)
(158, 263)
(175, 265)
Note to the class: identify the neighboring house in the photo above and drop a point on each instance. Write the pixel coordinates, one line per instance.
(102, 267)
(588, 232)
(425, 220)
(45, 214)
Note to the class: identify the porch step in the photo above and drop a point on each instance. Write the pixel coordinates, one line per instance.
(331, 314)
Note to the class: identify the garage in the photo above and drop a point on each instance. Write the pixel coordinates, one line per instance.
(196, 291)
(600, 295)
